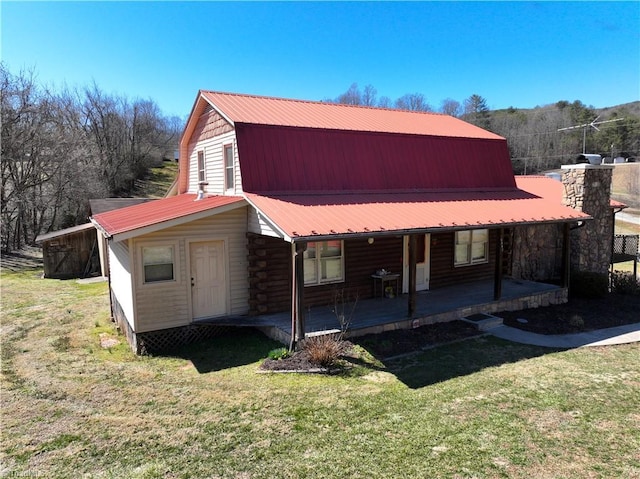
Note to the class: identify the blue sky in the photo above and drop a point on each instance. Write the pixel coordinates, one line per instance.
(517, 54)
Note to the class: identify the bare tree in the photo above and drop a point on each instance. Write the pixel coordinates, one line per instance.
(369, 96)
(385, 102)
(451, 107)
(351, 97)
(413, 102)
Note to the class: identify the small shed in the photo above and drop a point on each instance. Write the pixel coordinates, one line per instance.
(71, 252)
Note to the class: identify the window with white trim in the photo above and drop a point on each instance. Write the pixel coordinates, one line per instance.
(158, 263)
(324, 262)
(472, 247)
(229, 166)
(201, 167)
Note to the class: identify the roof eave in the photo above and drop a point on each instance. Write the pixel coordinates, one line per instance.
(433, 229)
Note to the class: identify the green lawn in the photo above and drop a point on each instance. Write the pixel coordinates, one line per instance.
(482, 408)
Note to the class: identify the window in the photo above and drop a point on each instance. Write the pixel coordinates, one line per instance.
(323, 262)
(229, 166)
(472, 247)
(201, 168)
(157, 263)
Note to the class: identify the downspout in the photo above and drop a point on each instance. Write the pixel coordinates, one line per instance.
(292, 340)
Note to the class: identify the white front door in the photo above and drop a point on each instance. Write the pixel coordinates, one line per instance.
(423, 266)
(208, 285)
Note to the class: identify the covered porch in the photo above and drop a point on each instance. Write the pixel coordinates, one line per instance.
(384, 314)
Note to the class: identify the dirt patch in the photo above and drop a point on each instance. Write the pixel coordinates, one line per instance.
(577, 315)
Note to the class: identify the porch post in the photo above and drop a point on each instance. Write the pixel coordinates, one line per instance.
(413, 245)
(297, 295)
(566, 255)
(497, 278)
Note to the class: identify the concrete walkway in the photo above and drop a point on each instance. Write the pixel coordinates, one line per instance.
(629, 333)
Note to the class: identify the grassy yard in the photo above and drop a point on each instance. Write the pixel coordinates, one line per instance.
(481, 408)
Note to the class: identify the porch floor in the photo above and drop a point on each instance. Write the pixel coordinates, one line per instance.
(381, 314)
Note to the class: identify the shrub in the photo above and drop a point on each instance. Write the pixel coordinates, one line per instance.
(586, 284)
(623, 282)
(278, 353)
(576, 322)
(324, 350)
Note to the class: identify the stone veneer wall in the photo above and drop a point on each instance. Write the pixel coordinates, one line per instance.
(587, 188)
(537, 252)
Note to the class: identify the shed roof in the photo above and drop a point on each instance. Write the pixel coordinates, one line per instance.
(64, 232)
(155, 215)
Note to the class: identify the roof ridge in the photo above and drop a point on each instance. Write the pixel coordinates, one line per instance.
(321, 102)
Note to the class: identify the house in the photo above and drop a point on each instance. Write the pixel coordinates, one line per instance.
(282, 203)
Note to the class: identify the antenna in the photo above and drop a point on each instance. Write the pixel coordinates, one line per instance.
(584, 131)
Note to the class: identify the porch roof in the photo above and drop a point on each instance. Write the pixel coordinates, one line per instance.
(300, 216)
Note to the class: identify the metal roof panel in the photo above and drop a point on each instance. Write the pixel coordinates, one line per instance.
(159, 212)
(322, 215)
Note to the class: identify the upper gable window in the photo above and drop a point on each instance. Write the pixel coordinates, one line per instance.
(201, 167)
(229, 167)
(472, 247)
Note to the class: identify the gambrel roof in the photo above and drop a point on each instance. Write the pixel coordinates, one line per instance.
(304, 146)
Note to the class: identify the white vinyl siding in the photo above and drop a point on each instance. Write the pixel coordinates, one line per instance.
(121, 278)
(167, 304)
(258, 224)
(471, 247)
(215, 169)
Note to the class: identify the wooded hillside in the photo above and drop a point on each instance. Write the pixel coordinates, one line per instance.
(62, 148)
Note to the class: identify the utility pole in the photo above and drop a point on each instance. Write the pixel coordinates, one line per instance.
(587, 125)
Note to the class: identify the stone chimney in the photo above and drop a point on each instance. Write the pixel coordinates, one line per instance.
(587, 188)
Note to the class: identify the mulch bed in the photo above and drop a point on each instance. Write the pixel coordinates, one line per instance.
(577, 315)
(383, 345)
(298, 361)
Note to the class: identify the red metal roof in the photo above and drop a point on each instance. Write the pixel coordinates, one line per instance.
(289, 145)
(262, 110)
(321, 215)
(157, 212)
(285, 159)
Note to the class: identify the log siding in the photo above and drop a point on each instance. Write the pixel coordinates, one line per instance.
(443, 271)
(269, 270)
